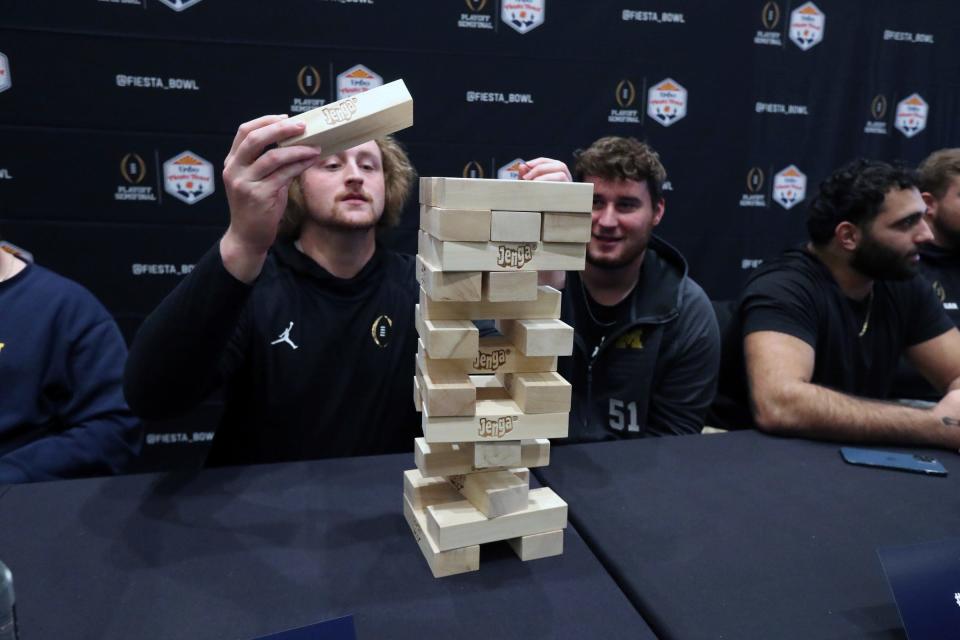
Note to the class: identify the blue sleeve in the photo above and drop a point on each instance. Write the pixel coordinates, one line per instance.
(97, 434)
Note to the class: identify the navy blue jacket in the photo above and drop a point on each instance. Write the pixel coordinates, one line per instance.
(62, 412)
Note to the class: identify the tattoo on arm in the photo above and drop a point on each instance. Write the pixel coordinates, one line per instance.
(951, 422)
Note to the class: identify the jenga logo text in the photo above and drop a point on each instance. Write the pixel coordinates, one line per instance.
(490, 361)
(340, 111)
(497, 428)
(515, 256)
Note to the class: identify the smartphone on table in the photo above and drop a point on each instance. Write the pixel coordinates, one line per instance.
(913, 462)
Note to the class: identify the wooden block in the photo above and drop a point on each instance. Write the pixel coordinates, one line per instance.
(496, 355)
(462, 286)
(445, 393)
(497, 454)
(493, 420)
(522, 472)
(346, 123)
(452, 255)
(566, 227)
(447, 459)
(539, 337)
(447, 338)
(422, 491)
(458, 524)
(538, 392)
(526, 195)
(511, 226)
(546, 306)
(507, 286)
(417, 398)
(493, 493)
(457, 224)
(538, 545)
(441, 563)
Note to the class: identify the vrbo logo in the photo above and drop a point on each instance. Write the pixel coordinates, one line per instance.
(340, 112)
(497, 428)
(515, 256)
(491, 361)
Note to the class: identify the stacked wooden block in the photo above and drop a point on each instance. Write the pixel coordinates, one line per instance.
(489, 405)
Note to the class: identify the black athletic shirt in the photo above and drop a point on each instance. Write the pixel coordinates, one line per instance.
(797, 295)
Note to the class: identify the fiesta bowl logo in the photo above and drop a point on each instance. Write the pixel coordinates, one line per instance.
(667, 102)
(511, 170)
(5, 80)
(308, 80)
(806, 25)
(523, 15)
(789, 187)
(626, 94)
(356, 79)
(188, 177)
(179, 5)
(911, 115)
(133, 168)
(472, 169)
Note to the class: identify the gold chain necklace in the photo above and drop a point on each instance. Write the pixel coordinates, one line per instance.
(866, 320)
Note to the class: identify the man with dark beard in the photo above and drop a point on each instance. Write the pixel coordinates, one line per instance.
(819, 331)
(646, 346)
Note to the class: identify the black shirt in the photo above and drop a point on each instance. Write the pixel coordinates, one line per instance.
(797, 295)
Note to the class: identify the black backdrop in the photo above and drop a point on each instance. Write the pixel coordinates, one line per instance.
(97, 95)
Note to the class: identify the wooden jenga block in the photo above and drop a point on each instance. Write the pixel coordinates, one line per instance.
(493, 493)
(493, 420)
(447, 459)
(346, 123)
(441, 563)
(450, 255)
(497, 454)
(456, 224)
(546, 306)
(462, 286)
(507, 286)
(512, 226)
(422, 491)
(444, 339)
(566, 227)
(538, 545)
(539, 337)
(471, 193)
(496, 355)
(417, 397)
(458, 524)
(446, 393)
(522, 472)
(538, 392)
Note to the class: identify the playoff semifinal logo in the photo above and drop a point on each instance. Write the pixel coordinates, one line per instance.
(356, 79)
(188, 177)
(789, 187)
(806, 25)
(5, 80)
(911, 115)
(523, 15)
(179, 5)
(472, 169)
(667, 102)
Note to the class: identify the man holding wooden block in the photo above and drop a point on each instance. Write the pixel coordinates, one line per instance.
(647, 347)
(305, 319)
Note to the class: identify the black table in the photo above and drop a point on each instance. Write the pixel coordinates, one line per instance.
(237, 553)
(743, 535)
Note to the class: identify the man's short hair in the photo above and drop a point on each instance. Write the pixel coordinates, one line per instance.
(938, 171)
(618, 158)
(854, 193)
(398, 177)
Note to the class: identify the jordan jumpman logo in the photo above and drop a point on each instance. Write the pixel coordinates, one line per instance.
(285, 337)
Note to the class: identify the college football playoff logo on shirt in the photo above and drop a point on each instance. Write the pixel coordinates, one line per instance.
(188, 177)
(789, 187)
(523, 15)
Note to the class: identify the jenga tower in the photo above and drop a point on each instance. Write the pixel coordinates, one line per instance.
(490, 404)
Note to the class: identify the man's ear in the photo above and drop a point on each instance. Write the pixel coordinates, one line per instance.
(848, 235)
(658, 210)
(931, 203)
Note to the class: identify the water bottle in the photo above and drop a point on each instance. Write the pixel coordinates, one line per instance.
(8, 609)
